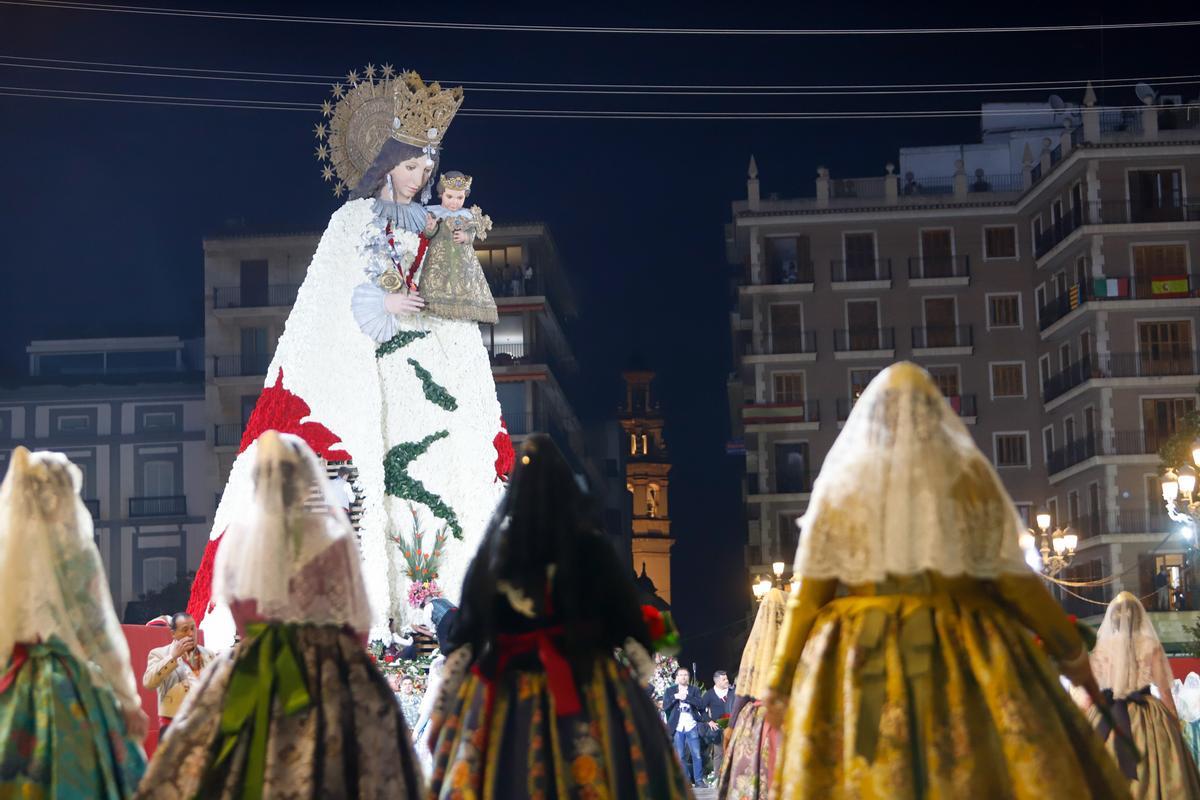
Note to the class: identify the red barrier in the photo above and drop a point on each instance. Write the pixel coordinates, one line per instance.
(1180, 667)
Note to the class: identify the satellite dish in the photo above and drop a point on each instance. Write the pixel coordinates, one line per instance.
(1057, 103)
(1144, 92)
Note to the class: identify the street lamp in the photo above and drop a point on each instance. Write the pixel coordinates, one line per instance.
(760, 587)
(1179, 493)
(1056, 548)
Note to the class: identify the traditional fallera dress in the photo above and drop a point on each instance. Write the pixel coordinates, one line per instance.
(409, 399)
(1128, 660)
(907, 656)
(534, 722)
(753, 748)
(1187, 703)
(297, 708)
(66, 678)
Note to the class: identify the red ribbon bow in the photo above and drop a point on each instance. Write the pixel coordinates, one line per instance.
(19, 656)
(558, 670)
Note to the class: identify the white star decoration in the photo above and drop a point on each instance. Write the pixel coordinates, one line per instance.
(327, 109)
(327, 172)
(369, 72)
(319, 130)
(388, 71)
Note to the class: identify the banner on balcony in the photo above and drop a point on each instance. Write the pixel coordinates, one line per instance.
(1110, 287)
(1169, 286)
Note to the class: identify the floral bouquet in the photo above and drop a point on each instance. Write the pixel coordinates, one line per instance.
(663, 633)
(421, 565)
(665, 668)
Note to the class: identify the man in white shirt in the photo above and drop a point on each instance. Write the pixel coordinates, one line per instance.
(343, 492)
(684, 707)
(175, 668)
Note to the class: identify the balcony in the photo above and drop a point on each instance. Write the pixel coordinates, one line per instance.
(862, 270)
(786, 341)
(228, 435)
(239, 365)
(943, 337)
(515, 285)
(1105, 290)
(858, 188)
(1114, 211)
(789, 273)
(507, 355)
(170, 506)
(254, 297)
(913, 186)
(864, 340)
(939, 270)
(1118, 365)
(1110, 443)
(798, 410)
(1059, 230)
(1149, 520)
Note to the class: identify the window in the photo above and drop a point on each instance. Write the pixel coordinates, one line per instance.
(1025, 512)
(787, 332)
(862, 324)
(1008, 380)
(946, 379)
(1085, 345)
(789, 537)
(1012, 449)
(789, 260)
(1064, 355)
(1052, 510)
(1044, 371)
(254, 283)
(159, 421)
(791, 467)
(158, 478)
(941, 319)
(937, 253)
(1047, 443)
(74, 423)
(1162, 417)
(1089, 423)
(157, 572)
(248, 402)
(1165, 348)
(1068, 430)
(1072, 507)
(1093, 507)
(1000, 242)
(1039, 296)
(1158, 261)
(1004, 311)
(789, 387)
(860, 256)
(859, 378)
(1155, 195)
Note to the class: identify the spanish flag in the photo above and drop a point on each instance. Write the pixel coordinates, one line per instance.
(1169, 286)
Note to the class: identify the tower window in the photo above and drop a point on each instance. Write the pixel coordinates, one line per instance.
(645, 445)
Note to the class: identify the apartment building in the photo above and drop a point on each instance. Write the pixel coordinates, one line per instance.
(1044, 275)
(129, 412)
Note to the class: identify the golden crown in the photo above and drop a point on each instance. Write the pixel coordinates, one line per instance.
(365, 114)
(458, 183)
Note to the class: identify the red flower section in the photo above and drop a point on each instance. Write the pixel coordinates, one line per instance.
(280, 410)
(505, 455)
(655, 623)
(200, 601)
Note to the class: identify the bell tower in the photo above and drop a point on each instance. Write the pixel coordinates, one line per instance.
(647, 466)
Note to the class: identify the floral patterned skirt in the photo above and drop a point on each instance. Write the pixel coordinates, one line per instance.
(1167, 769)
(934, 696)
(61, 736)
(750, 756)
(349, 741)
(616, 747)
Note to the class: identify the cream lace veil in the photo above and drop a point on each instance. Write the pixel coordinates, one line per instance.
(52, 581)
(760, 648)
(1128, 655)
(904, 489)
(290, 547)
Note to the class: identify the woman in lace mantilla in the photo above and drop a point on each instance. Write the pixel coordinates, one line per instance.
(298, 708)
(906, 667)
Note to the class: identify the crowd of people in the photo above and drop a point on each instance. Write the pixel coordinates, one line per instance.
(918, 657)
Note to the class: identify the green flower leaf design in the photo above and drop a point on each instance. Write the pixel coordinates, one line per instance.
(398, 483)
(434, 393)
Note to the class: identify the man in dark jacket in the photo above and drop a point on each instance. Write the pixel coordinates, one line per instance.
(718, 702)
(685, 709)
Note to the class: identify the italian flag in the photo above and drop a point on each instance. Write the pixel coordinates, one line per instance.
(1110, 287)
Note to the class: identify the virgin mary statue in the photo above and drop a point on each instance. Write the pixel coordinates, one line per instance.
(363, 373)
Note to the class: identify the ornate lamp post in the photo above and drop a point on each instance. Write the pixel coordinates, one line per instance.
(1179, 494)
(764, 584)
(1056, 549)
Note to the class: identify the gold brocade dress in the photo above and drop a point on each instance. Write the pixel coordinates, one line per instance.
(452, 280)
(924, 686)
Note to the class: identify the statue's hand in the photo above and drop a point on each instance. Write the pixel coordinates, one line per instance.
(460, 237)
(403, 303)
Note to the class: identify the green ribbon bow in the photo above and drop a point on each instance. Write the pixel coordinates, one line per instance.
(268, 669)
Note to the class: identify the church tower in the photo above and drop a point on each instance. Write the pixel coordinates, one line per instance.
(647, 465)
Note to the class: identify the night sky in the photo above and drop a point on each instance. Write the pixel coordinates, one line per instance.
(104, 205)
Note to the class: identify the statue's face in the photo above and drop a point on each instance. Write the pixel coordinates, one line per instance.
(453, 199)
(410, 175)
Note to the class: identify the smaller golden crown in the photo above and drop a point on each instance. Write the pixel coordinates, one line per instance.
(458, 183)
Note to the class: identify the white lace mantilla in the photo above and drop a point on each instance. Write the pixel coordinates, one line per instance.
(904, 489)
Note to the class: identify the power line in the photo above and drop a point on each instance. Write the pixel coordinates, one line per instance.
(829, 91)
(529, 113)
(863, 88)
(515, 28)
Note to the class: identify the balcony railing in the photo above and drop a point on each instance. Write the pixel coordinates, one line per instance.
(227, 435)
(171, 506)
(1056, 154)
(865, 188)
(862, 269)
(241, 365)
(1105, 290)
(1121, 121)
(864, 339)
(793, 482)
(254, 297)
(1118, 365)
(1059, 229)
(927, 267)
(941, 184)
(1110, 443)
(1120, 211)
(93, 507)
(782, 411)
(943, 336)
(1150, 520)
(786, 341)
(516, 353)
(789, 272)
(1010, 182)
(515, 285)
